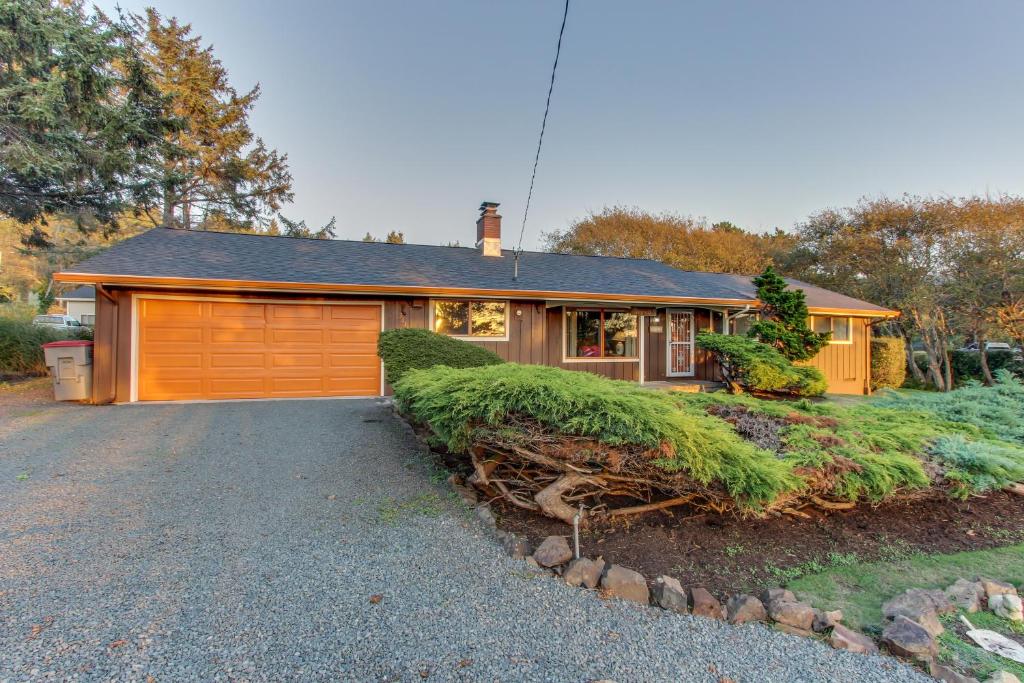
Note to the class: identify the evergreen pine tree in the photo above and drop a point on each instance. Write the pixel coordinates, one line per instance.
(783, 322)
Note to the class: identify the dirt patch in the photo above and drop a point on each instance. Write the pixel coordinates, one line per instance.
(726, 553)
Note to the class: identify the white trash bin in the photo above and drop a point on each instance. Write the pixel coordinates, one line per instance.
(70, 366)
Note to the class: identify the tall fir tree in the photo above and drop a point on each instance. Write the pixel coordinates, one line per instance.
(81, 117)
(783, 322)
(213, 165)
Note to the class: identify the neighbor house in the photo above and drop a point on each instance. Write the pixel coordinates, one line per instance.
(207, 315)
(80, 304)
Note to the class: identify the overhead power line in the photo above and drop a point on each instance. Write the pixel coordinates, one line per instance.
(540, 140)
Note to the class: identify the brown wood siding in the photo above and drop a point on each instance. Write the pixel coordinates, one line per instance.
(846, 366)
(104, 358)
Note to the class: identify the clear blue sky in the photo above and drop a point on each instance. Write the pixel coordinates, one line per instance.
(405, 115)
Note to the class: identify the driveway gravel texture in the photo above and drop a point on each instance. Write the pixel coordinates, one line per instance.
(306, 540)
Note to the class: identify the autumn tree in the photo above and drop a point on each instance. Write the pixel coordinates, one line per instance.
(679, 241)
(80, 120)
(213, 164)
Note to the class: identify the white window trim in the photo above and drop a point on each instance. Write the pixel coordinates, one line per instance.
(604, 359)
(470, 337)
(831, 318)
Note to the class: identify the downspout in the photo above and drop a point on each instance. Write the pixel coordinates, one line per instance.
(726, 317)
(100, 289)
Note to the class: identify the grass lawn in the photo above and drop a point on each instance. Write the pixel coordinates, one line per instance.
(860, 589)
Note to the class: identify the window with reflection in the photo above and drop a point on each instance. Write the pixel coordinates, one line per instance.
(838, 326)
(599, 333)
(464, 318)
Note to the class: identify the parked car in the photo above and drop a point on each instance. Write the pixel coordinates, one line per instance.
(990, 347)
(57, 322)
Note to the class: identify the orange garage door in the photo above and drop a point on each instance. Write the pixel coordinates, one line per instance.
(209, 349)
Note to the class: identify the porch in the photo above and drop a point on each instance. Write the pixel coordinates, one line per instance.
(690, 386)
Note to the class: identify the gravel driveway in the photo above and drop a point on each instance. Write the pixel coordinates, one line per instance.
(249, 540)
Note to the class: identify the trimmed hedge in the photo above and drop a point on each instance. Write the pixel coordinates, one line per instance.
(967, 364)
(21, 351)
(888, 362)
(760, 367)
(411, 349)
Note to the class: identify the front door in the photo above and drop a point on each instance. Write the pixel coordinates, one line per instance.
(680, 344)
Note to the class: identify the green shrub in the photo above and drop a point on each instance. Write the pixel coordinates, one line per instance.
(21, 351)
(453, 402)
(759, 367)
(967, 364)
(409, 349)
(888, 362)
(977, 466)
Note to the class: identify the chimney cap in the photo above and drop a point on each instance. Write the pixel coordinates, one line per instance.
(489, 205)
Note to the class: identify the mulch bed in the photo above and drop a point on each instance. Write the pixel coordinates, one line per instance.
(727, 553)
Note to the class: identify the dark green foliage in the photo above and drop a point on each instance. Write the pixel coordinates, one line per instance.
(783, 323)
(888, 362)
(410, 349)
(706, 449)
(759, 367)
(967, 364)
(80, 114)
(21, 351)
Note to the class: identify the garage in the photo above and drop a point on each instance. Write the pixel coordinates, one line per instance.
(209, 348)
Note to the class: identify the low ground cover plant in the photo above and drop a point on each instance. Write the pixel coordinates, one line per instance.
(546, 439)
(749, 365)
(407, 349)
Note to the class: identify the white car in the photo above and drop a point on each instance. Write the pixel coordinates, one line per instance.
(57, 322)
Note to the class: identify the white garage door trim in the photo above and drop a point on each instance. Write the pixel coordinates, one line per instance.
(134, 394)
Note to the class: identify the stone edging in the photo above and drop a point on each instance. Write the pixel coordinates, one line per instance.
(911, 624)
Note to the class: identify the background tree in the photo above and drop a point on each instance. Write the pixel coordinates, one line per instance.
(213, 165)
(679, 241)
(79, 116)
(783, 321)
(393, 237)
(299, 229)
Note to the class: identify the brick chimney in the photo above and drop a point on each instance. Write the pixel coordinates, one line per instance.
(488, 230)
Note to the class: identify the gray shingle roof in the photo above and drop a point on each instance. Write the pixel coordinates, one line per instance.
(163, 252)
(86, 292)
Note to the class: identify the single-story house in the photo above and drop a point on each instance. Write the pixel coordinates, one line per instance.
(208, 315)
(80, 304)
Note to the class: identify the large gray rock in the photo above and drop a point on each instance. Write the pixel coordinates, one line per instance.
(843, 638)
(553, 551)
(796, 614)
(770, 595)
(669, 594)
(824, 620)
(584, 572)
(705, 604)
(993, 587)
(907, 638)
(626, 584)
(967, 595)
(1007, 606)
(741, 609)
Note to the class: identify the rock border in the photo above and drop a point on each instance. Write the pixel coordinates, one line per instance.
(910, 628)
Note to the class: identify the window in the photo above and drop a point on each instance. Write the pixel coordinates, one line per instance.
(470, 318)
(839, 327)
(597, 333)
(740, 325)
